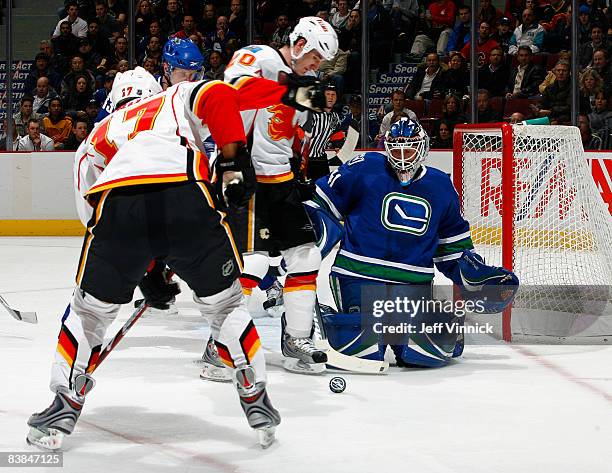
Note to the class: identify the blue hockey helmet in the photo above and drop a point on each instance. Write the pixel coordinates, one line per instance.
(407, 146)
(183, 54)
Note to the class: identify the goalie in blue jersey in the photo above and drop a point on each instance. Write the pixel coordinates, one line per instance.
(400, 219)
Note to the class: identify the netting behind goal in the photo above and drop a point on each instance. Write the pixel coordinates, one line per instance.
(533, 207)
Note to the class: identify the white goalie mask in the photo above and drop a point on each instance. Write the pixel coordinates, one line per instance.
(407, 146)
(133, 84)
(319, 36)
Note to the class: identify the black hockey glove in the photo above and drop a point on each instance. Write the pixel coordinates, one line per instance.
(305, 188)
(157, 287)
(303, 93)
(239, 190)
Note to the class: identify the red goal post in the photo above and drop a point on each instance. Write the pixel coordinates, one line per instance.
(533, 208)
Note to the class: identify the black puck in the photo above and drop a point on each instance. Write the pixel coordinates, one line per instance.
(337, 384)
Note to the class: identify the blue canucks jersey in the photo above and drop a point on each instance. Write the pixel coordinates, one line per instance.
(105, 110)
(392, 233)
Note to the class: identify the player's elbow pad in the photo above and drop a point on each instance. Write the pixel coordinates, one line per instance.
(492, 287)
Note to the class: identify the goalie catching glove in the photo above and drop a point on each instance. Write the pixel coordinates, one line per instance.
(236, 180)
(493, 286)
(303, 92)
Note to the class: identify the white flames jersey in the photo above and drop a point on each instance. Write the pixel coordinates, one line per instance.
(273, 128)
(158, 139)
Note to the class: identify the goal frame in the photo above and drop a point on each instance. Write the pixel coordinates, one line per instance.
(508, 193)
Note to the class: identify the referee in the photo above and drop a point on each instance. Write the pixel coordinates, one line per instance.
(319, 130)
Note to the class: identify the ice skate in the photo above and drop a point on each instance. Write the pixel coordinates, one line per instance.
(256, 405)
(273, 304)
(301, 354)
(47, 428)
(214, 369)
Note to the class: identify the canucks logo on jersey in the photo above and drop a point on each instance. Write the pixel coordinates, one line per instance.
(405, 213)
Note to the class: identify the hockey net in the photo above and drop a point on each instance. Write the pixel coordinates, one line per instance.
(533, 207)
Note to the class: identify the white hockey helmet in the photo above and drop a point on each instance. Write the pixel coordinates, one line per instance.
(319, 36)
(407, 146)
(136, 83)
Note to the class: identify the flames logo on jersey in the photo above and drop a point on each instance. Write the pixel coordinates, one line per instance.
(281, 125)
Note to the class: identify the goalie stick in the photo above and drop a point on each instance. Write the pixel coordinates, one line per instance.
(83, 383)
(341, 361)
(29, 317)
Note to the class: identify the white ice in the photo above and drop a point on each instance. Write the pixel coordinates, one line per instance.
(500, 408)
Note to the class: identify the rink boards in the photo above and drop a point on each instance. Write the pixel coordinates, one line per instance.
(38, 196)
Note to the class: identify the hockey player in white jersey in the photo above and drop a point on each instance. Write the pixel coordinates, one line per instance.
(130, 85)
(274, 219)
(153, 199)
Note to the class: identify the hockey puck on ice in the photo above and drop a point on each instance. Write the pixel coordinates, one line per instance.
(337, 384)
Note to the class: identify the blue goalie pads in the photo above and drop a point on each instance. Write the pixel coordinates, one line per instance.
(421, 354)
(328, 229)
(492, 288)
(346, 335)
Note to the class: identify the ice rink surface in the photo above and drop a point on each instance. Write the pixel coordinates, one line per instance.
(499, 409)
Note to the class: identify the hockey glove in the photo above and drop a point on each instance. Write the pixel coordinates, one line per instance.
(303, 92)
(236, 180)
(491, 287)
(157, 287)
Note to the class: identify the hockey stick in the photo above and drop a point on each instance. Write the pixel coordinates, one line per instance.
(350, 143)
(83, 383)
(340, 361)
(29, 317)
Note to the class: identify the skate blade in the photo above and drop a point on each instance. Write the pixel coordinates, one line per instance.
(298, 366)
(216, 374)
(51, 440)
(266, 436)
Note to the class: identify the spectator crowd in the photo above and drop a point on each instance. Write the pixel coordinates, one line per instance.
(523, 60)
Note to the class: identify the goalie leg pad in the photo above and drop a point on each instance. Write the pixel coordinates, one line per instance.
(346, 335)
(434, 348)
(417, 356)
(347, 291)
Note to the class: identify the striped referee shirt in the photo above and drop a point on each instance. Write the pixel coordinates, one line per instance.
(321, 127)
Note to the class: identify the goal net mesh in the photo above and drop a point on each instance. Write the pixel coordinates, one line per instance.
(561, 242)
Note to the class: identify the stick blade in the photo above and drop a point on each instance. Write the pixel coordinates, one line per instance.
(353, 364)
(29, 317)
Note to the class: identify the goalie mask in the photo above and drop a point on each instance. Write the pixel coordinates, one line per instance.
(407, 146)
